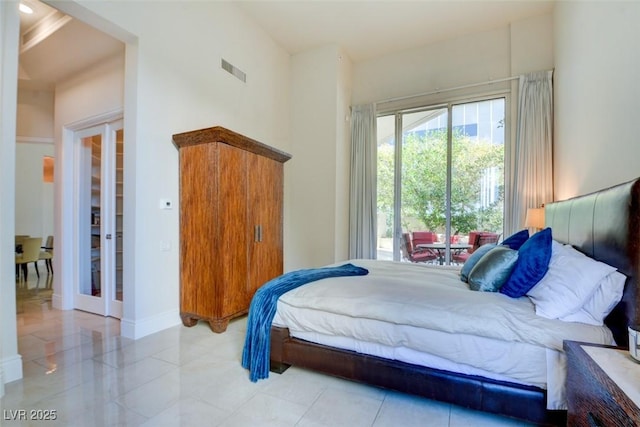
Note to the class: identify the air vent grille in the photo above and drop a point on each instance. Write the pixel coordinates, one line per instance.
(232, 69)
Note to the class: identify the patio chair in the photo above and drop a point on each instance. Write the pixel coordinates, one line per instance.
(415, 255)
(476, 239)
(423, 237)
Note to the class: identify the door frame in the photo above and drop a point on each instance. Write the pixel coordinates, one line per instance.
(448, 105)
(67, 236)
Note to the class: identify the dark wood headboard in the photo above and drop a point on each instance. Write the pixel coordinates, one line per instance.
(605, 225)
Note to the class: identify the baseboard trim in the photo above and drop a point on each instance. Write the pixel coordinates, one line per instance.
(56, 302)
(135, 329)
(11, 368)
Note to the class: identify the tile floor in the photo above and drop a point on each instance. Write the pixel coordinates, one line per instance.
(77, 365)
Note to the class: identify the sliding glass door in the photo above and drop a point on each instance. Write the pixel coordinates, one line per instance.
(445, 177)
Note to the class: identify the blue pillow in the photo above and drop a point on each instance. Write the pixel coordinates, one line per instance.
(493, 269)
(532, 264)
(515, 241)
(472, 260)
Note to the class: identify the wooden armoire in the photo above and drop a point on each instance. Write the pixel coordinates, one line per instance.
(231, 196)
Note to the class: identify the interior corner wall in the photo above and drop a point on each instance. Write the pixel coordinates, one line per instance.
(343, 155)
(596, 95)
(318, 144)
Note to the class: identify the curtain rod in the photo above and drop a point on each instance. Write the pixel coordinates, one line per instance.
(433, 92)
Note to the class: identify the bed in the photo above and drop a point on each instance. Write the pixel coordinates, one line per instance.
(604, 225)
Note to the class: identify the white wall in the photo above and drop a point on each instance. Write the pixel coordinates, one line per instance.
(89, 93)
(531, 45)
(34, 129)
(34, 197)
(446, 64)
(174, 83)
(316, 229)
(524, 46)
(597, 59)
(35, 113)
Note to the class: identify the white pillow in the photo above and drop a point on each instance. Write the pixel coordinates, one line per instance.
(605, 298)
(570, 282)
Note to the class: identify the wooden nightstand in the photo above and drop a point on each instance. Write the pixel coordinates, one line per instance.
(603, 386)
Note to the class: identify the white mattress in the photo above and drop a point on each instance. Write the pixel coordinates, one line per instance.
(398, 312)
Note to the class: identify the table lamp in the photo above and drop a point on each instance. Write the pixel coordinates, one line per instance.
(534, 218)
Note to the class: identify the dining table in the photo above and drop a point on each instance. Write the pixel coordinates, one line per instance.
(441, 248)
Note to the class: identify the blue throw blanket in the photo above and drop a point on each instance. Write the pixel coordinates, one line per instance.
(257, 345)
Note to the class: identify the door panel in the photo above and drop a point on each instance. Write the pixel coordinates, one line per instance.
(196, 205)
(99, 193)
(265, 239)
(424, 171)
(232, 190)
(119, 223)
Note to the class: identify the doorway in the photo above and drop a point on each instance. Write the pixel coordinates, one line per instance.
(11, 366)
(98, 191)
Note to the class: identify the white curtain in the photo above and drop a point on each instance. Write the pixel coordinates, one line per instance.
(363, 192)
(532, 177)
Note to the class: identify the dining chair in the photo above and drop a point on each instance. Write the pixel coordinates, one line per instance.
(19, 238)
(46, 254)
(30, 253)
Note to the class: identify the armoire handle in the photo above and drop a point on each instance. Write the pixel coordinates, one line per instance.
(257, 233)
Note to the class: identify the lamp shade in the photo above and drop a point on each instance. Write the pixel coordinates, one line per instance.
(534, 218)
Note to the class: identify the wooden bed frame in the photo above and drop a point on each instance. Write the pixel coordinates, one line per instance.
(604, 225)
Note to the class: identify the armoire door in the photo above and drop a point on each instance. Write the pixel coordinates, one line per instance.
(265, 212)
(198, 228)
(232, 224)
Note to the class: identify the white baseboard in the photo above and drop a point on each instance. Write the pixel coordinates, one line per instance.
(11, 368)
(150, 325)
(56, 301)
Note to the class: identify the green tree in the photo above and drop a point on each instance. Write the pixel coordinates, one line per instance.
(424, 165)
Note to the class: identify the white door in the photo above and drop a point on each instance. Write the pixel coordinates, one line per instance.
(98, 198)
